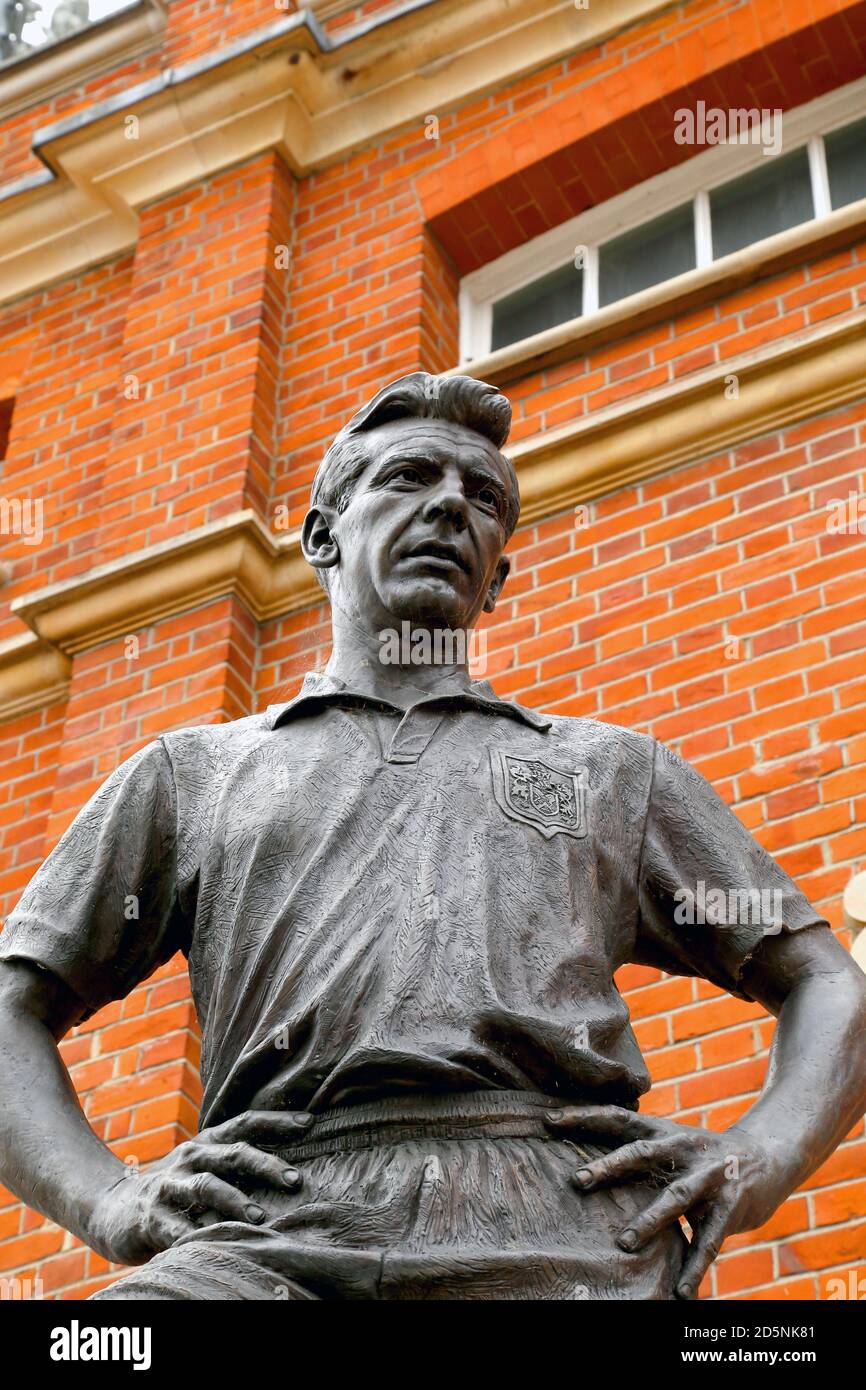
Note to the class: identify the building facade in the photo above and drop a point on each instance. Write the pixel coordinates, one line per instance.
(224, 225)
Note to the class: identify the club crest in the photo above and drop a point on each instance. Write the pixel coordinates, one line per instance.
(531, 791)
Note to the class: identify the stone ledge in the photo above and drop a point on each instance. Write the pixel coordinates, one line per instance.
(56, 67)
(283, 88)
(779, 385)
(236, 555)
(33, 674)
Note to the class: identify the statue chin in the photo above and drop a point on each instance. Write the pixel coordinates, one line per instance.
(427, 612)
(429, 603)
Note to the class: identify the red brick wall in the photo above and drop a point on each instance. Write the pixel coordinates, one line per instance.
(246, 371)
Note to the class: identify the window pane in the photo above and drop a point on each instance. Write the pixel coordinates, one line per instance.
(553, 299)
(647, 255)
(770, 199)
(846, 164)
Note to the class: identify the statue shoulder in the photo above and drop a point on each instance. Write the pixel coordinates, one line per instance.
(613, 742)
(216, 745)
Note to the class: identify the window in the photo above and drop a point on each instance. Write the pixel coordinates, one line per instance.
(846, 164)
(550, 300)
(770, 199)
(720, 201)
(655, 251)
(26, 26)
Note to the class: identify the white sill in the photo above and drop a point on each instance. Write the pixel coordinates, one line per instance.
(653, 305)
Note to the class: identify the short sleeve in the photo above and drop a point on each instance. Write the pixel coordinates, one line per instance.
(709, 893)
(102, 912)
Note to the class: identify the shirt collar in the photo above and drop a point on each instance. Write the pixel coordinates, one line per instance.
(320, 688)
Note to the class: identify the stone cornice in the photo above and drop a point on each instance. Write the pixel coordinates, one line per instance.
(289, 87)
(236, 555)
(32, 674)
(107, 43)
(791, 380)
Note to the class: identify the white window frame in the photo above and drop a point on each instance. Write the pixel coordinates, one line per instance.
(691, 181)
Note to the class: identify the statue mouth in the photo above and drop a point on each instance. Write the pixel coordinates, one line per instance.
(438, 550)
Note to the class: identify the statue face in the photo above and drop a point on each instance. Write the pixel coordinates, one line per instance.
(423, 534)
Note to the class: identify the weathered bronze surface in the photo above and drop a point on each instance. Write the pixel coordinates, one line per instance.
(403, 901)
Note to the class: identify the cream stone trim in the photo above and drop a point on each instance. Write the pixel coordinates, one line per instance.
(290, 88)
(236, 555)
(32, 674)
(74, 61)
(671, 297)
(789, 381)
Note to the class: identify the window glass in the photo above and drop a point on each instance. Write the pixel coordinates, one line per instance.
(552, 299)
(770, 199)
(647, 255)
(846, 163)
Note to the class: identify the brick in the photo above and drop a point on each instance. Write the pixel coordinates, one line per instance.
(249, 374)
(736, 1272)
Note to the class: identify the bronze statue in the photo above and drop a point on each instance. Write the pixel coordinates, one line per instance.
(403, 901)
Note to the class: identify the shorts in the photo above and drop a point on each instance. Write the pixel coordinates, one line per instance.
(459, 1196)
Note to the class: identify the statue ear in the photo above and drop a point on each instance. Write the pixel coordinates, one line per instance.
(318, 542)
(499, 577)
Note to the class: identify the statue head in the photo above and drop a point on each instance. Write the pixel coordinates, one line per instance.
(413, 504)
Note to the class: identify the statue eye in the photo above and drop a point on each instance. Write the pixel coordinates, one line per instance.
(489, 497)
(408, 473)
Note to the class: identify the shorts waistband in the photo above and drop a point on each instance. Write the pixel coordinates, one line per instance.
(398, 1119)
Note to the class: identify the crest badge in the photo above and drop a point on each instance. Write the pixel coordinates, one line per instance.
(532, 791)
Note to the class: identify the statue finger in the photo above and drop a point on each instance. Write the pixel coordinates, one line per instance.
(599, 1119)
(263, 1127)
(241, 1159)
(641, 1157)
(205, 1191)
(706, 1244)
(675, 1201)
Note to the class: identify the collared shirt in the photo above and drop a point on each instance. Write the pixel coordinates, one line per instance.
(372, 900)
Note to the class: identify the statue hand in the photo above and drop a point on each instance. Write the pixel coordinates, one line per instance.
(195, 1185)
(722, 1183)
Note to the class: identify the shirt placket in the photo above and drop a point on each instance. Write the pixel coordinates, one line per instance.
(413, 734)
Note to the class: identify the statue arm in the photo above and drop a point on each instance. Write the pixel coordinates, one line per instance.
(49, 1155)
(96, 920)
(815, 1088)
